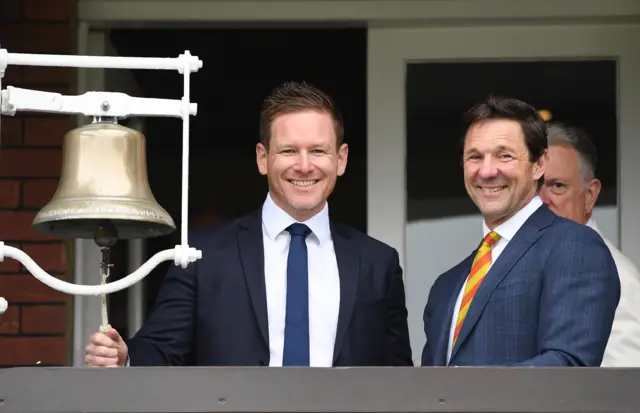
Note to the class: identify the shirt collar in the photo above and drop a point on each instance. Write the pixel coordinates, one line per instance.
(508, 229)
(592, 224)
(276, 220)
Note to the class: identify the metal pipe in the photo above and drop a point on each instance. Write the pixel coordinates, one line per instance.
(102, 62)
(135, 310)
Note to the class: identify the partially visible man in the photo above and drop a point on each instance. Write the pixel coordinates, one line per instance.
(571, 190)
(540, 290)
(285, 285)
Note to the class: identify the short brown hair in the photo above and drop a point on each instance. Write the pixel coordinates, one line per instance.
(291, 97)
(498, 107)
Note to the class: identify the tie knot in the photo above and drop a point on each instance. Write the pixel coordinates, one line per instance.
(491, 238)
(299, 230)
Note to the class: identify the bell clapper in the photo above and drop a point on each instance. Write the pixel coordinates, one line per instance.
(105, 267)
(105, 237)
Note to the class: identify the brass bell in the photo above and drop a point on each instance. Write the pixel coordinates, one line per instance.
(104, 184)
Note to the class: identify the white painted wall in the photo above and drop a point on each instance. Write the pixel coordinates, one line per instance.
(427, 257)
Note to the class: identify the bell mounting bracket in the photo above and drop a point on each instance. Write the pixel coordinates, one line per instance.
(96, 104)
(105, 104)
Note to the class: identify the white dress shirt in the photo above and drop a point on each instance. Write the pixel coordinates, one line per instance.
(507, 230)
(623, 348)
(324, 282)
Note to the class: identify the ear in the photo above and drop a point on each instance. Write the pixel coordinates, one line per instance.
(540, 166)
(343, 154)
(261, 158)
(591, 195)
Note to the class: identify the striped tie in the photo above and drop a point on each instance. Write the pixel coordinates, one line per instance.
(479, 269)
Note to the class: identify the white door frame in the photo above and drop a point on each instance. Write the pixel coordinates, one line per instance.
(385, 106)
(303, 12)
(390, 49)
(87, 256)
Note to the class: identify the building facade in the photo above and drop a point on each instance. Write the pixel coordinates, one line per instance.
(47, 327)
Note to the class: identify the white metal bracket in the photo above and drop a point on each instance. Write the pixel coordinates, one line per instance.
(107, 104)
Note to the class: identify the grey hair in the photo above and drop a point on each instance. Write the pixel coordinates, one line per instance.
(576, 138)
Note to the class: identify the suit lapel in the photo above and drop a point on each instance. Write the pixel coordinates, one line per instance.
(515, 249)
(348, 269)
(252, 258)
(456, 285)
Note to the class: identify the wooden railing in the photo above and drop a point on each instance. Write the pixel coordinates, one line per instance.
(302, 390)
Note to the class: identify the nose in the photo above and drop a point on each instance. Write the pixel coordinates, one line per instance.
(305, 163)
(488, 169)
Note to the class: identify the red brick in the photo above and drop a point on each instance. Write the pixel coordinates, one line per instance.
(45, 131)
(38, 192)
(33, 26)
(9, 265)
(35, 38)
(12, 74)
(16, 226)
(10, 320)
(25, 288)
(20, 351)
(10, 132)
(45, 10)
(51, 257)
(44, 319)
(9, 10)
(43, 74)
(9, 193)
(30, 163)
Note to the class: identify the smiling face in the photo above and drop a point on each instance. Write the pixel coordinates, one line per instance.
(498, 173)
(302, 161)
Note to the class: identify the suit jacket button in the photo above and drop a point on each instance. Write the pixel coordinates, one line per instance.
(261, 363)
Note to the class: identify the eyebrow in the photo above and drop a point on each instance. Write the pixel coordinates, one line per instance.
(555, 179)
(504, 148)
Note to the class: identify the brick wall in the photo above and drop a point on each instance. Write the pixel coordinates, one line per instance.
(36, 327)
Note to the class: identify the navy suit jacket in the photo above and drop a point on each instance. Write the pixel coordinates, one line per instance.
(548, 300)
(214, 312)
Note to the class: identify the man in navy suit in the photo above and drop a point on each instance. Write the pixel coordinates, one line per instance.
(284, 285)
(540, 290)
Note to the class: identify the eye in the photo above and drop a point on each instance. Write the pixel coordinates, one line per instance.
(318, 151)
(557, 187)
(287, 151)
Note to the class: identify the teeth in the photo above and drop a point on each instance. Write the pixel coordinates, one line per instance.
(500, 188)
(303, 183)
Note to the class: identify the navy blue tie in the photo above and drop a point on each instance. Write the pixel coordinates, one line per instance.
(296, 330)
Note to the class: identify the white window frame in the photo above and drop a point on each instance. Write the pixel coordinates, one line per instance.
(390, 49)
